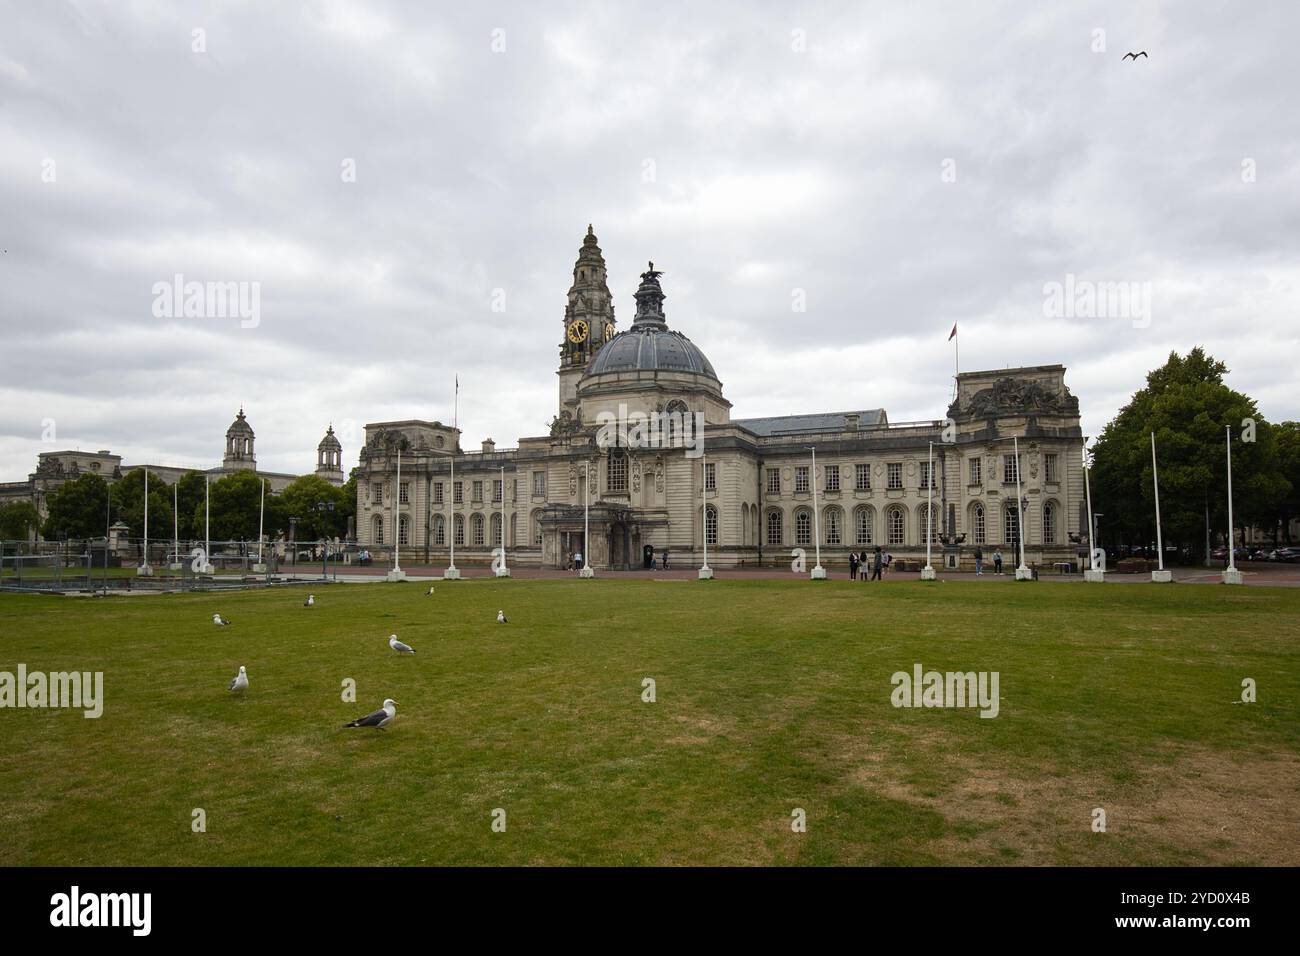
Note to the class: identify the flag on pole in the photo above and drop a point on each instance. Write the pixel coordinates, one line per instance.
(953, 332)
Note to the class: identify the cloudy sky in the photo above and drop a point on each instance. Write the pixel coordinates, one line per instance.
(897, 166)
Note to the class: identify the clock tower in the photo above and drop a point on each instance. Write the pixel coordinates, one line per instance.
(588, 319)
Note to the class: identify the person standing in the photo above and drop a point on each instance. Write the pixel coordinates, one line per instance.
(997, 560)
(665, 557)
(577, 561)
(979, 560)
(877, 563)
(853, 565)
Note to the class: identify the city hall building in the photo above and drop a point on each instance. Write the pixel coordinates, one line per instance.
(746, 488)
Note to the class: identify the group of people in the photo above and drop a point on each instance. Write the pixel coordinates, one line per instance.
(872, 566)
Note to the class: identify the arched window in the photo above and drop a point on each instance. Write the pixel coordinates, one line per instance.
(834, 519)
(439, 530)
(476, 529)
(803, 528)
(379, 529)
(1049, 522)
(711, 524)
(895, 525)
(977, 530)
(458, 529)
(535, 527)
(495, 536)
(403, 529)
(1010, 523)
(774, 527)
(864, 525)
(924, 527)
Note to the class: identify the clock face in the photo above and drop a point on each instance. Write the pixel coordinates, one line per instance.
(578, 330)
(609, 331)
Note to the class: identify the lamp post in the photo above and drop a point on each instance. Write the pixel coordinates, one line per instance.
(818, 573)
(323, 508)
(927, 572)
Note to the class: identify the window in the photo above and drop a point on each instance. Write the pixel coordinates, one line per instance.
(862, 477)
(476, 528)
(977, 525)
(439, 530)
(1049, 468)
(539, 484)
(1010, 469)
(377, 492)
(403, 530)
(834, 526)
(404, 493)
(927, 476)
(711, 524)
(774, 527)
(895, 476)
(710, 476)
(801, 480)
(379, 530)
(1010, 523)
(832, 477)
(774, 481)
(478, 491)
(1049, 522)
(616, 473)
(977, 471)
(535, 527)
(803, 528)
(864, 521)
(496, 489)
(437, 492)
(458, 492)
(495, 536)
(458, 529)
(894, 522)
(929, 528)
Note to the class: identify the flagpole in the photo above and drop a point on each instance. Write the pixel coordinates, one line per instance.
(818, 573)
(261, 517)
(397, 574)
(1022, 572)
(1230, 574)
(503, 571)
(176, 526)
(1161, 575)
(1093, 573)
(451, 574)
(927, 572)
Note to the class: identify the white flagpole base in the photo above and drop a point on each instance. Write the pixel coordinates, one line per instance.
(1024, 574)
(1162, 577)
(397, 575)
(259, 569)
(817, 574)
(927, 573)
(451, 574)
(1095, 575)
(144, 571)
(706, 573)
(205, 569)
(503, 572)
(1232, 576)
(175, 566)
(587, 573)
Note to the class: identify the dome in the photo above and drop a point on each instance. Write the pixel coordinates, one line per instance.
(329, 441)
(645, 348)
(649, 345)
(240, 425)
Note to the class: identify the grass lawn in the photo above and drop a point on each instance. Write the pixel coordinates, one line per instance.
(771, 696)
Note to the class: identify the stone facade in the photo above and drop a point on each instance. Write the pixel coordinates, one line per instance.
(650, 490)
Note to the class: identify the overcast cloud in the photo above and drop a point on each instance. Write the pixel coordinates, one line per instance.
(775, 169)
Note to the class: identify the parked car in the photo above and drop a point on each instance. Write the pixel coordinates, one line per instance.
(1285, 554)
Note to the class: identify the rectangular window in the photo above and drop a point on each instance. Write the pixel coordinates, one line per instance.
(833, 479)
(977, 471)
(1049, 468)
(1010, 469)
(801, 479)
(378, 495)
(862, 477)
(774, 482)
(404, 493)
(478, 491)
(539, 484)
(895, 476)
(927, 479)
(710, 476)
(616, 472)
(458, 492)
(437, 492)
(496, 489)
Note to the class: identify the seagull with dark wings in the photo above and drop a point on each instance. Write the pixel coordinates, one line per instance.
(1136, 55)
(379, 719)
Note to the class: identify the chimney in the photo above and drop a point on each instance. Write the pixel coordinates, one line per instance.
(489, 446)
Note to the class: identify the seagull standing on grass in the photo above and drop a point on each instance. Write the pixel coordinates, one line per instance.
(311, 599)
(501, 617)
(241, 680)
(220, 621)
(430, 591)
(398, 646)
(379, 719)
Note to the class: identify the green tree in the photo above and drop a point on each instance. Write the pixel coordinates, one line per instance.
(128, 500)
(236, 503)
(300, 500)
(189, 505)
(1189, 408)
(17, 520)
(78, 508)
(1288, 454)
